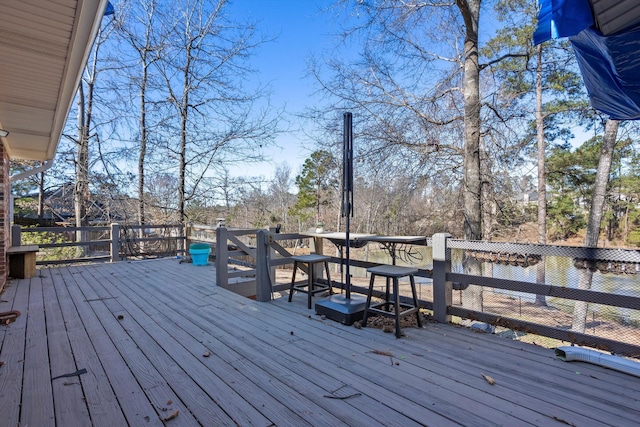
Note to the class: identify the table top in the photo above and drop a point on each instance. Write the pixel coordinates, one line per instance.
(363, 237)
(399, 239)
(342, 236)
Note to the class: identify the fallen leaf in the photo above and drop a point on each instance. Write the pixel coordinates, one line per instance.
(488, 379)
(207, 354)
(171, 416)
(169, 402)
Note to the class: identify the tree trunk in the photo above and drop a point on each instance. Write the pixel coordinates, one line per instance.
(471, 181)
(183, 141)
(470, 10)
(595, 218)
(81, 190)
(542, 178)
(143, 139)
(40, 198)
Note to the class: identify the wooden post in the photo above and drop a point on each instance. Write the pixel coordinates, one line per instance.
(222, 257)
(115, 242)
(442, 289)
(263, 273)
(16, 237)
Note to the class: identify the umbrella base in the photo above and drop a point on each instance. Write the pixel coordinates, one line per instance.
(341, 309)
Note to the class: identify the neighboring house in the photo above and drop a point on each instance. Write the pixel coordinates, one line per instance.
(58, 207)
(44, 47)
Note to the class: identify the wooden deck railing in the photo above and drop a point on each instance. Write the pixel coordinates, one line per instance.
(64, 245)
(248, 258)
(444, 282)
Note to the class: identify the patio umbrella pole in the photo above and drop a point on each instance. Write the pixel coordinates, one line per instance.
(347, 191)
(345, 308)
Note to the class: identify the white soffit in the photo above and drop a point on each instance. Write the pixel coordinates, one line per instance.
(44, 45)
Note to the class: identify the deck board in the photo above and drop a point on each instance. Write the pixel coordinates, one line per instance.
(129, 342)
(101, 400)
(12, 354)
(268, 364)
(69, 405)
(37, 395)
(131, 397)
(299, 361)
(275, 379)
(189, 377)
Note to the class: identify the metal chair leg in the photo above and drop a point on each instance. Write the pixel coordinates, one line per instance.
(396, 296)
(293, 279)
(415, 300)
(366, 306)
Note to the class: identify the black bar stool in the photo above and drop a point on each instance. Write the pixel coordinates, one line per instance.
(393, 273)
(311, 287)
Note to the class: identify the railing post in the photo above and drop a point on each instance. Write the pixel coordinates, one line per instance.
(442, 289)
(115, 242)
(16, 235)
(263, 273)
(222, 257)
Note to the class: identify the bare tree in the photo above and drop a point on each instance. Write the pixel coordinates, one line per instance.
(280, 192)
(214, 118)
(138, 27)
(86, 128)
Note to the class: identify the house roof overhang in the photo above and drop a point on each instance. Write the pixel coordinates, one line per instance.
(44, 46)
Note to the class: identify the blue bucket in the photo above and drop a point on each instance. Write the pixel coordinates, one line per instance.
(200, 253)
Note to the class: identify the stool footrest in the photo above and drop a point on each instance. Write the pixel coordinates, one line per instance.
(317, 287)
(376, 308)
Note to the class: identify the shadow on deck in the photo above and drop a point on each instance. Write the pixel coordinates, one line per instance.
(162, 345)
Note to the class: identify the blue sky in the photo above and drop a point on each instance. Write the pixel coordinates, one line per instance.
(300, 30)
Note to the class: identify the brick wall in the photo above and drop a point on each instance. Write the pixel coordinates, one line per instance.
(5, 221)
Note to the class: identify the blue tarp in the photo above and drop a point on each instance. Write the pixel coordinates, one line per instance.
(610, 65)
(109, 10)
(610, 68)
(560, 18)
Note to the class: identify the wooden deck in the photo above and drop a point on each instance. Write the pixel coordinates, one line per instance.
(158, 338)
